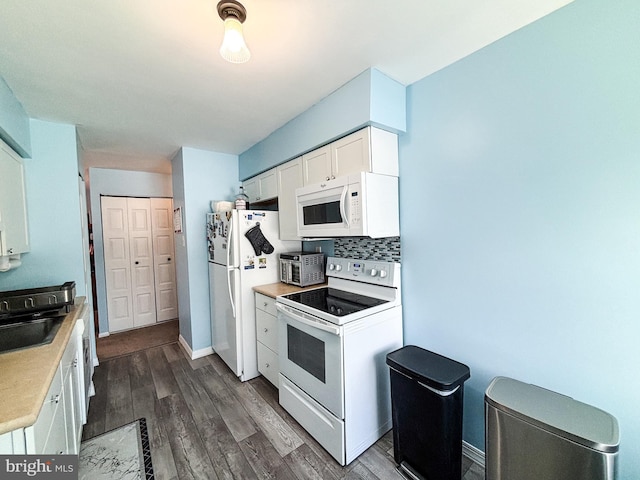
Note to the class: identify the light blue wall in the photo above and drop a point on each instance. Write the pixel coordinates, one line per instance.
(199, 176)
(370, 98)
(520, 213)
(53, 210)
(14, 122)
(105, 181)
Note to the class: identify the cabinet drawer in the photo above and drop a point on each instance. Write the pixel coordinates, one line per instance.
(268, 364)
(266, 304)
(267, 329)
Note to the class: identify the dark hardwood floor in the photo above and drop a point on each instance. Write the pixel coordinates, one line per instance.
(204, 423)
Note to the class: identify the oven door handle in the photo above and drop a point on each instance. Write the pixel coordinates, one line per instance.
(306, 320)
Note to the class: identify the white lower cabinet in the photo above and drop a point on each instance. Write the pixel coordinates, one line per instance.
(267, 335)
(268, 364)
(58, 429)
(71, 365)
(48, 434)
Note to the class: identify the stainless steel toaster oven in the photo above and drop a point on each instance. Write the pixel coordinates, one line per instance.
(302, 268)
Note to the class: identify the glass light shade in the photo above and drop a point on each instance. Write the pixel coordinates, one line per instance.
(233, 48)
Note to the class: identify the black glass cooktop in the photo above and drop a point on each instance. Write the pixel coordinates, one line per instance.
(333, 301)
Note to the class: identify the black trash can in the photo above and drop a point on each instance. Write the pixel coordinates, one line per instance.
(426, 401)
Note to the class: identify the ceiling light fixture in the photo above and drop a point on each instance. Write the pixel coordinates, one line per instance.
(233, 48)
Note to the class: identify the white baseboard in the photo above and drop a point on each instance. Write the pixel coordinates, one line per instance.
(473, 453)
(193, 354)
(103, 334)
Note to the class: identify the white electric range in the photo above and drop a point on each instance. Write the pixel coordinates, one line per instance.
(333, 343)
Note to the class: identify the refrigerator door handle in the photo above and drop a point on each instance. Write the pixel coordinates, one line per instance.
(229, 269)
(231, 299)
(229, 242)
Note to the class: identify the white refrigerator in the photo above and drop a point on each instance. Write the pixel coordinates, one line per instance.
(243, 252)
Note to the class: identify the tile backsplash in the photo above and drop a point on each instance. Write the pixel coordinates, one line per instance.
(365, 248)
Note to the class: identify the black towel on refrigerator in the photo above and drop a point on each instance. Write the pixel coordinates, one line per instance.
(258, 241)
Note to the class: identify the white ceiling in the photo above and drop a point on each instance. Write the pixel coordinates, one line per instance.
(141, 78)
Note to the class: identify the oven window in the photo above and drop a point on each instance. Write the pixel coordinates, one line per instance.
(322, 213)
(306, 351)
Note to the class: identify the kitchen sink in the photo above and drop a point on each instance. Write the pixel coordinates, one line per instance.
(31, 333)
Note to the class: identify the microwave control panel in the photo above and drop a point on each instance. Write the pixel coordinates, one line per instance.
(355, 208)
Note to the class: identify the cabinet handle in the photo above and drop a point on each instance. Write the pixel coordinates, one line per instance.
(137, 262)
(267, 365)
(265, 304)
(328, 179)
(55, 399)
(169, 259)
(266, 330)
(75, 363)
(333, 177)
(10, 250)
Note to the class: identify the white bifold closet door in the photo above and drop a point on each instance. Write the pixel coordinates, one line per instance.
(131, 264)
(164, 265)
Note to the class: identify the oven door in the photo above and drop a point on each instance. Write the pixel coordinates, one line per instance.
(311, 356)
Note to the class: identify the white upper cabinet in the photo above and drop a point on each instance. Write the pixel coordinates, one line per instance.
(367, 150)
(14, 234)
(251, 188)
(317, 165)
(261, 187)
(289, 178)
(268, 182)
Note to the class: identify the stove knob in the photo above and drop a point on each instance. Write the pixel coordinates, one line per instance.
(373, 272)
(338, 268)
(339, 310)
(383, 273)
(332, 266)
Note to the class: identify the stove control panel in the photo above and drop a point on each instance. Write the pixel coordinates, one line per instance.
(368, 271)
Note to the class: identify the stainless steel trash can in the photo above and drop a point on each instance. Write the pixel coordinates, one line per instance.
(426, 404)
(535, 434)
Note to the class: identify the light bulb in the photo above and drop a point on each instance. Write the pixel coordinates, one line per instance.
(233, 48)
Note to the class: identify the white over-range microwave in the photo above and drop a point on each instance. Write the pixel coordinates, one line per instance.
(359, 205)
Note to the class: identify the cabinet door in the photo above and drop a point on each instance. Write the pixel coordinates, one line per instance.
(164, 258)
(70, 365)
(289, 178)
(14, 235)
(251, 189)
(268, 185)
(316, 165)
(48, 434)
(351, 154)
